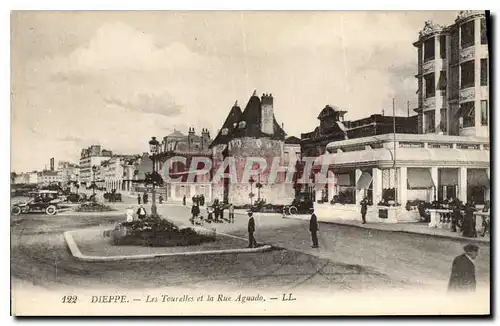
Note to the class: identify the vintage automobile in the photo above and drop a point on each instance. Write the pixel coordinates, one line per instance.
(46, 201)
(300, 205)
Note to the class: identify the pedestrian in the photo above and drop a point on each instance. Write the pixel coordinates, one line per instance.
(216, 212)
(184, 200)
(231, 213)
(364, 208)
(210, 214)
(252, 243)
(145, 198)
(455, 217)
(468, 226)
(202, 200)
(141, 213)
(193, 199)
(463, 270)
(138, 199)
(221, 212)
(161, 199)
(129, 213)
(313, 227)
(195, 211)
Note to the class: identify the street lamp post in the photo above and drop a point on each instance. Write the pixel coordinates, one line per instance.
(93, 185)
(153, 148)
(251, 181)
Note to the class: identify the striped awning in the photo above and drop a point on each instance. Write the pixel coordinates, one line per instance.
(419, 178)
(448, 177)
(477, 178)
(364, 181)
(343, 179)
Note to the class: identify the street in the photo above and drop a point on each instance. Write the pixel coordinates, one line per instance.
(349, 258)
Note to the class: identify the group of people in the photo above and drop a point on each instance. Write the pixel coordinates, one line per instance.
(198, 200)
(215, 213)
(145, 198)
(463, 275)
(141, 213)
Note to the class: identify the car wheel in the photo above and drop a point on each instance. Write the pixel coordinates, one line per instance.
(16, 210)
(51, 210)
(292, 210)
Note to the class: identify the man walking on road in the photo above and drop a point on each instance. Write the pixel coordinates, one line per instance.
(313, 227)
(251, 229)
(138, 199)
(231, 213)
(364, 208)
(463, 270)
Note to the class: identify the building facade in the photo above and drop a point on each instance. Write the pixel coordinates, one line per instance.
(453, 76)
(253, 132)
(403, 168)
(118, 172)
(89, 157)
(333, 127)
(67, 172)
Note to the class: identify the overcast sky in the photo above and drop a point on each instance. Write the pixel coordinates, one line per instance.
(118, 78)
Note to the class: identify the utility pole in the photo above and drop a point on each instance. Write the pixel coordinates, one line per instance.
(394, 141)
(408, 107)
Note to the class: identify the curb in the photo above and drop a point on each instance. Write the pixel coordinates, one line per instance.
(75, 251)
(473, 240)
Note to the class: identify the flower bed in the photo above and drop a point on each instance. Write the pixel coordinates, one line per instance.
(94, 207)
(156, 233)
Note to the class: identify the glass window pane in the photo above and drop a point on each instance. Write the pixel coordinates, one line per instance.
(484, 72)
(467, 74)
(484, 113)
(430, 85)
(468, 114)
(484, 34)
(467, 35)
(429, 48)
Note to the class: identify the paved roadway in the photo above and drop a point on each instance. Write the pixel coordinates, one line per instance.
(349, 258)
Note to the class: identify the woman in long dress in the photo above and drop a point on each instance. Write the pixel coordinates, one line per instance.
(469, 227)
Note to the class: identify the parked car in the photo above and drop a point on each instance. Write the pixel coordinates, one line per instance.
(43, 201)
(113, 196)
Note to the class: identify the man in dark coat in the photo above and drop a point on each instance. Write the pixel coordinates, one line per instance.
(139, 199)
(364, 208)
(145, 198)
(184, 200)
(252, 243)
(195, 211)
(469, 225)
(141, 213)
(313, 227)
(463, 270)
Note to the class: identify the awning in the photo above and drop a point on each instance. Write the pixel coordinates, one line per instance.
(343, 179)
(419, 179)
(448, 177)
(477, 178)
(364, 181)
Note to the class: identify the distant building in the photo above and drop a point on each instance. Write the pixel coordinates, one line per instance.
(453, 77)
(89, 157)
(26, 178)
(333, 127)
(47, 177)
(115, 172)
(67, 172)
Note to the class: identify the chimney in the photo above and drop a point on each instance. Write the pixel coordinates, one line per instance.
(52, 164)
(205, 138)
(267, 114)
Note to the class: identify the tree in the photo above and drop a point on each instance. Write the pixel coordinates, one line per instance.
(13, 176)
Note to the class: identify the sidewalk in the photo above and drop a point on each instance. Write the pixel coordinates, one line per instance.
(416, 228)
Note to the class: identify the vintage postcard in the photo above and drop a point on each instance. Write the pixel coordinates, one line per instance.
(191, 163)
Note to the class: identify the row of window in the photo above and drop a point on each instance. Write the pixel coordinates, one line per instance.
(466, 40)
(467, 73)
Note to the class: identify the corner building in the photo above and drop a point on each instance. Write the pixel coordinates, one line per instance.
(453, 74)
(253, 132)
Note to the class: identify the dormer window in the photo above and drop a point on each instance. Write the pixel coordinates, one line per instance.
(242, 124)
(224, 131)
